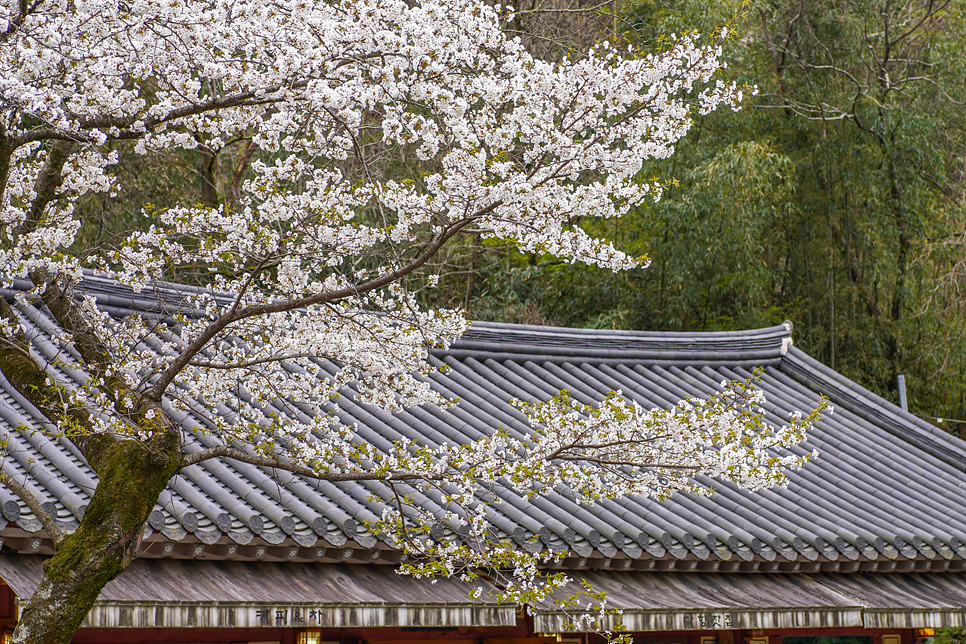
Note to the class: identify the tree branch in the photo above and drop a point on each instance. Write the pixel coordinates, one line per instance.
(25, 8)
(234, 191)
(124, 124)
(624, 463)
(45, 189)
(224, 321)
(224, 451)
(132, 127)
(50, 525)
(30, 378)
(65, 308)
(6, 152)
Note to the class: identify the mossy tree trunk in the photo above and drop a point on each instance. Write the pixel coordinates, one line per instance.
(132, 476)
(132, 473)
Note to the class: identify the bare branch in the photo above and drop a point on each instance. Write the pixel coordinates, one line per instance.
(562, 10)
(45, 188)
(224, 451)
(53, 531)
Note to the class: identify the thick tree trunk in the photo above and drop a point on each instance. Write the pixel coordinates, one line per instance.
(132, 476)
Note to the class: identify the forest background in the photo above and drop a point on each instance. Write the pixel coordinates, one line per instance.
(835, 198)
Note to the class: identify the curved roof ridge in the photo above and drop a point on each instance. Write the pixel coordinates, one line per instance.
(155, 297)
(767, 343)
(761, 346)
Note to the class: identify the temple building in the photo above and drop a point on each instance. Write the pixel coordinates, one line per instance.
(866, 544)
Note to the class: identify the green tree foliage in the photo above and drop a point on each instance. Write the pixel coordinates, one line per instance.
(949, 636)
(834, 199)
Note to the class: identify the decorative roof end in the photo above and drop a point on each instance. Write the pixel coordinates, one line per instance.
(787, 342)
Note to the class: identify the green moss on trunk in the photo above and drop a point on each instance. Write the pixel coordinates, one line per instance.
(132, 476)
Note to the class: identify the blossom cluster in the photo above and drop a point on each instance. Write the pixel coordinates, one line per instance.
(521, 146)
(613, 449)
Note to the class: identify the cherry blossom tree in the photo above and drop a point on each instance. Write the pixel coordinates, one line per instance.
(322, 254)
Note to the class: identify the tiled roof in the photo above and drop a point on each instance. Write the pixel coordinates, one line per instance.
(885, 493)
